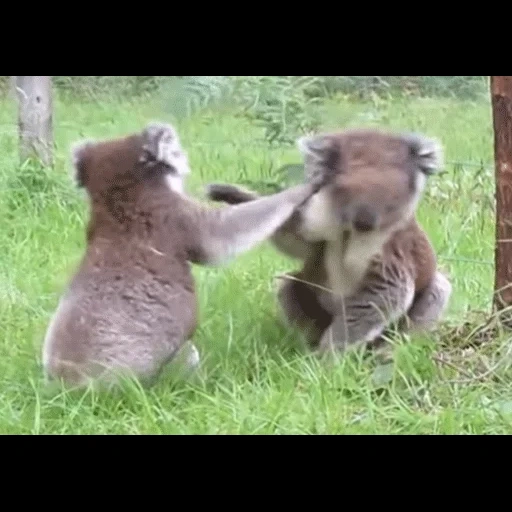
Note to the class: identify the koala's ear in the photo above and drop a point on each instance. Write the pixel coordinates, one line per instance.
(319, 149)
(315, 146)
(426, 153)
(80, 155)
(161, 144)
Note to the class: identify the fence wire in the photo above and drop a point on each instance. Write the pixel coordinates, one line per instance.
(260, 96)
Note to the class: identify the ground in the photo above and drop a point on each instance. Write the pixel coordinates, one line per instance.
(255, 380)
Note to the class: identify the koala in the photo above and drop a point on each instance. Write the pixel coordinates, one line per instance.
(131, 306)
(367, 263)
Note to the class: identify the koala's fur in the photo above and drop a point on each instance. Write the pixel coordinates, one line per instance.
(368, 262)
(131, 305)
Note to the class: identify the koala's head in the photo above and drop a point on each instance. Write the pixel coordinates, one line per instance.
(126, 162)
(378, 176)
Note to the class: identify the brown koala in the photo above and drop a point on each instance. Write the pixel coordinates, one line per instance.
(131, 306)
(367, 262)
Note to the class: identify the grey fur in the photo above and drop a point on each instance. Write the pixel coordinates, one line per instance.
(368, 287)
(429, 305)
(361, 318)
(131, 307)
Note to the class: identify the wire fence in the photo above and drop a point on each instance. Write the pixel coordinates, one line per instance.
(282, 106)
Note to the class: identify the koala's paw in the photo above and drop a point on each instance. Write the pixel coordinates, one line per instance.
(230, 194)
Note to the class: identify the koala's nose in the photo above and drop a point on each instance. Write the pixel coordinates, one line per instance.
(365, 218)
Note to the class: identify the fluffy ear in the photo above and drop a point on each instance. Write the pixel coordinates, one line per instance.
(322, 156)
(317, 147)
(320, 152)
(161, 144)
(427, 153)
(80, 153)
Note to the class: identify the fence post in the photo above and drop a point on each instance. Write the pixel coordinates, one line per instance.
(12, 87)
(501, 98)
(35, 117)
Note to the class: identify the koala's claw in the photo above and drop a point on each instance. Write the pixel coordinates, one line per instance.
(230, 194)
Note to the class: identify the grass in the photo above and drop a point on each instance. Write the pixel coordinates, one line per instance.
(254, 379)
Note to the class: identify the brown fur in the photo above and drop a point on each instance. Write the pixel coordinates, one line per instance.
(131, 306)
(409, 248)
(359, 238)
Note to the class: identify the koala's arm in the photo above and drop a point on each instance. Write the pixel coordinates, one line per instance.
(286, 238)
(223, 233)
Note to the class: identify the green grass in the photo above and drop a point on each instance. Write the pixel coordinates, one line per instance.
(254, 379)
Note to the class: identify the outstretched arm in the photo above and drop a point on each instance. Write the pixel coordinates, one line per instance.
(226, 232)
(285, 238)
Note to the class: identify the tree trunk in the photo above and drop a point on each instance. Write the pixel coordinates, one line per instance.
(12, 87)
(501, 96)
(35, 117)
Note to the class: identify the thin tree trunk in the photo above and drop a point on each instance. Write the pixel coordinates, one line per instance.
(35, 117)
(501, 96)
(12, 87)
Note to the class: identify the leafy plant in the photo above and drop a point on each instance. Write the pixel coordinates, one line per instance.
(186, 95)
(284, 106)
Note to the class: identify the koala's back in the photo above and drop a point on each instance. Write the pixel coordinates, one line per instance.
(130, 305)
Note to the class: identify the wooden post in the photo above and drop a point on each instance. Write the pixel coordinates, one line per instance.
(501, 97)
(35, 117)
(12, 87)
